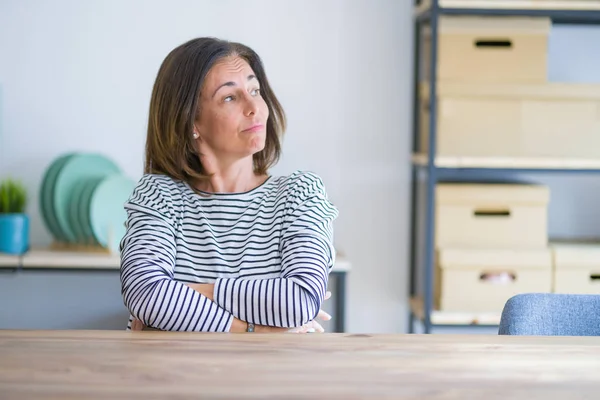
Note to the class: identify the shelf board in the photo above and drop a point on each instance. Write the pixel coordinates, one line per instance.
(510, 163)
(447, 318)
(554, 5)
(53, 259)
(60, 259)
(9, 261)
(341, 264)
(561, 11)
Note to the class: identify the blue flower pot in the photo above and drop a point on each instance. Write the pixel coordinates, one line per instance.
(14, 233)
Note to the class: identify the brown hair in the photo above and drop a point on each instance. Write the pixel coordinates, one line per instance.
(174, 107)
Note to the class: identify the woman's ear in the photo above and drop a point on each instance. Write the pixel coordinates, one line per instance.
(195, 133)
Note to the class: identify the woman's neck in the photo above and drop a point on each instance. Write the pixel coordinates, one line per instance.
(234, 178)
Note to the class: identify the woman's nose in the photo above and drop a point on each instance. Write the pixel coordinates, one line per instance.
(251, 105)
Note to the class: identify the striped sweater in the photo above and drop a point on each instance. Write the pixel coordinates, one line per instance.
(268, 251)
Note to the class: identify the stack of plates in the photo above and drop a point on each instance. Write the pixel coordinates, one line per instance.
(81, 200)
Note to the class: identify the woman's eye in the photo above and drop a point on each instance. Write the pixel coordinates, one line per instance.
(228, 99)
(255, 92)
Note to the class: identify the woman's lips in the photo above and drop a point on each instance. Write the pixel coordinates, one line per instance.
(254, 128)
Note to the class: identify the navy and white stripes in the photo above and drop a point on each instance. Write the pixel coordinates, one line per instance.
(268, 251)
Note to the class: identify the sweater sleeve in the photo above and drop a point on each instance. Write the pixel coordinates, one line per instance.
(148, 255)
(307, 255)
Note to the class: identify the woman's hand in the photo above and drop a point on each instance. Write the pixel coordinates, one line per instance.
(137, 325)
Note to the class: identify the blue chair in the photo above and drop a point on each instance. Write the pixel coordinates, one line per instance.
(546, 314)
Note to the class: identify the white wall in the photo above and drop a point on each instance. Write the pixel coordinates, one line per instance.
(77, 75)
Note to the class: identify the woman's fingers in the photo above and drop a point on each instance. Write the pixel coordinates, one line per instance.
(323, 315)
(317, 327)
(137, 325)
(311, 327)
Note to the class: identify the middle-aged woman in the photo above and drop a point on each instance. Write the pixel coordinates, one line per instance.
(215, 243)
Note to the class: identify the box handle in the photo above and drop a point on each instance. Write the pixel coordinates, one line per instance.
(595, 278)
(498, 277)
(493, 44)
(483, 212)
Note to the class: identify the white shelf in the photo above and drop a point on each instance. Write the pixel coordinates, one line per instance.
(342, 264)
(508, 162)
(562, 5)
(50, 259)
(454, 318)
(9, 261)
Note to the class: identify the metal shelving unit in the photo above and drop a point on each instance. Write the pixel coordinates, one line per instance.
(429, 170)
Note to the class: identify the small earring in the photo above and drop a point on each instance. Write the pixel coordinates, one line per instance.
(195, 135)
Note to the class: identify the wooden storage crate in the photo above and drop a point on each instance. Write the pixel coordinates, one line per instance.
(491, 215)
(482, 280)
(554, 120)
(490, 49)
(576, 268)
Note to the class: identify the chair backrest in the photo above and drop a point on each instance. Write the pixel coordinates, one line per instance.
(547, 314)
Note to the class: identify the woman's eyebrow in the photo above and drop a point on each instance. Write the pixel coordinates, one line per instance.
(230, 83)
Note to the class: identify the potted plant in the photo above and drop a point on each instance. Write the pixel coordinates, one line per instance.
(14, 223)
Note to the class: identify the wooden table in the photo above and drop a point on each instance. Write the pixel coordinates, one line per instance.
(149, 365)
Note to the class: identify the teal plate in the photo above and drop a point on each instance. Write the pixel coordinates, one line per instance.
(78, 167)
(46, 203)
(42, 194)
(75, 202)
(107, 212)
(84, 210)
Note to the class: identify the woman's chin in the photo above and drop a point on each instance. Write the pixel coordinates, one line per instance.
(256, 143)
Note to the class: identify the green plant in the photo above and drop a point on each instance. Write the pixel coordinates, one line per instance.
(13, 197)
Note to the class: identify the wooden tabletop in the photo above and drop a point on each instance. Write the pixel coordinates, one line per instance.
(148, 365)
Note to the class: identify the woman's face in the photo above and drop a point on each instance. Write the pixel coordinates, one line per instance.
(233, 115)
